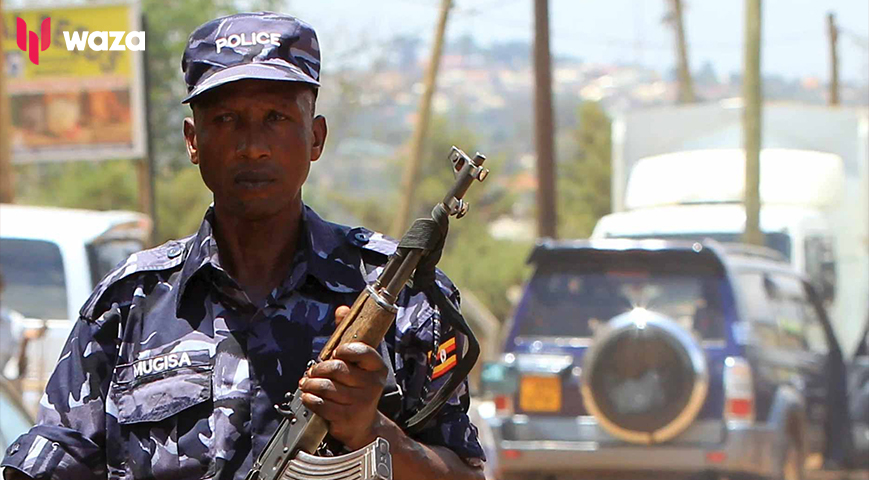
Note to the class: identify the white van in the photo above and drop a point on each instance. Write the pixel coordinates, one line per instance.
(50, 260)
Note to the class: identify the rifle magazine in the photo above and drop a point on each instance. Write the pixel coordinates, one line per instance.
(372, 462)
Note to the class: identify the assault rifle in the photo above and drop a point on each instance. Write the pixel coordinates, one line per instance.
(290, 453)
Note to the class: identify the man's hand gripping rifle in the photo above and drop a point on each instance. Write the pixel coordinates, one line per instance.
(289, 454)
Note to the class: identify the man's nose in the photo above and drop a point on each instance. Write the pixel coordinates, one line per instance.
(253, 144)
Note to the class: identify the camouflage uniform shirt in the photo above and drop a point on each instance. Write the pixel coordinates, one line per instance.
(171, 371)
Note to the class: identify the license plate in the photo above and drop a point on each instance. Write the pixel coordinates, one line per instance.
(540, 394)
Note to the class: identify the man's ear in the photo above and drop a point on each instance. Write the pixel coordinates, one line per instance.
(190, 139)
(320, 130)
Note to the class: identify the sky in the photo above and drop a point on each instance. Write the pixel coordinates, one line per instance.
(794, 34)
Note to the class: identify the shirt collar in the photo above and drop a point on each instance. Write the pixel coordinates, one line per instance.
(324, 253)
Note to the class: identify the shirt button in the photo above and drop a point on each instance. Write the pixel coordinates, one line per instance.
(13, 449)
(174, 251)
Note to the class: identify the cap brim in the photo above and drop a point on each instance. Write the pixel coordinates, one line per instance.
(251, 71)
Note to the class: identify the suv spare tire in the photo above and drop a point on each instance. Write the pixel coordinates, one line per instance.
(644, 378)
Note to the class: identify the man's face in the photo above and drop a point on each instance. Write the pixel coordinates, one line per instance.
(254, 141)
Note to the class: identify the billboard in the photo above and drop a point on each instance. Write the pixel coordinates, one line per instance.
(74, 100)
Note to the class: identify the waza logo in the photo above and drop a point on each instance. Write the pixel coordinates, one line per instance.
(38, 43)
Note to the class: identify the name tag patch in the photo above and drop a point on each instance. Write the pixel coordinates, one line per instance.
(161, 363)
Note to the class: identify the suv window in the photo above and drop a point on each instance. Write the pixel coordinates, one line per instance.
(752, 287)
(565, 302)
(780, 312)
(785, 295)
(797, 317)
(34, 280)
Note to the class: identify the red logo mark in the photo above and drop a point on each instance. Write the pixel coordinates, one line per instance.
(35, 46)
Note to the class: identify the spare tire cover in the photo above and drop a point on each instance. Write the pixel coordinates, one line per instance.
(645, 378)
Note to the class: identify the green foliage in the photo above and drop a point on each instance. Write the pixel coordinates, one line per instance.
(336, 206)
(472, 258)
(182, 199)
(584, 181)
(435, 171)
(109, 185)
(477, 262)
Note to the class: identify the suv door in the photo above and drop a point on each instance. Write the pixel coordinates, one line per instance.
(805, 339)
(791, 343)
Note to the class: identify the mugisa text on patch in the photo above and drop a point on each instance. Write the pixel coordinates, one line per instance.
(161, 363)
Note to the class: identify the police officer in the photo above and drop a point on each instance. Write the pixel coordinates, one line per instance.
(180, 354)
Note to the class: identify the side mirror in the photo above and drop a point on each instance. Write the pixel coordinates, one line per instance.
(497, 378)
(821, 267)
(827, 281)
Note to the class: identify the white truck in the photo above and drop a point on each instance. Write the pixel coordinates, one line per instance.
(678, 172)
(51, 259)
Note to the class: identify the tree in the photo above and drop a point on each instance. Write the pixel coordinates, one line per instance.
(109, 185)
(181, 203)
(584, 183)
(472, 258)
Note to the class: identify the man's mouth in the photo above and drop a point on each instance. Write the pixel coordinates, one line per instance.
(253, 180)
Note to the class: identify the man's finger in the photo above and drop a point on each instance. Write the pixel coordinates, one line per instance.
(341, 313)
(327, 409)
(361, 355)
(341, 372)
(325, 389)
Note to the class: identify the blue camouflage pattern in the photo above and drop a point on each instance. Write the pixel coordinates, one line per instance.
(262, 45)
(171, 372)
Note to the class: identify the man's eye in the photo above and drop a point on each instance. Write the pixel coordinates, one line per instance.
(225, 117)
(274, 116)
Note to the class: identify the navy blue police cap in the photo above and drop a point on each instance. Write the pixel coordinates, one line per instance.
(262, 45)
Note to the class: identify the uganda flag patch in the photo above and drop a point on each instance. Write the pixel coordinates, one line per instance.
(445, 359)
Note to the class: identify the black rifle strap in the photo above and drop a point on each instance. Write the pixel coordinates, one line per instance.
(429, 235)
(390, 400)
(451, 315)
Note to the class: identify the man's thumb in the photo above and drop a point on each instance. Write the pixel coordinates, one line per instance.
(341, 313)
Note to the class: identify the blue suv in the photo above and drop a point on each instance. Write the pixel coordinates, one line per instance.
(638, 356)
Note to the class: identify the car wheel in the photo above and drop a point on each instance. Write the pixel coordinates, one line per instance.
(792, 461)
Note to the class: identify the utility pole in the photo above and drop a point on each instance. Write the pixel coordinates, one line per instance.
(686, 85)
(833, 33)
(544, 123)
(751, 122)
(146, 166)
(7, 181)
(409, 180)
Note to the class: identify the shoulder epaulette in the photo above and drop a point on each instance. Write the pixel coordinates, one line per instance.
(372, 241)
(163, 257)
